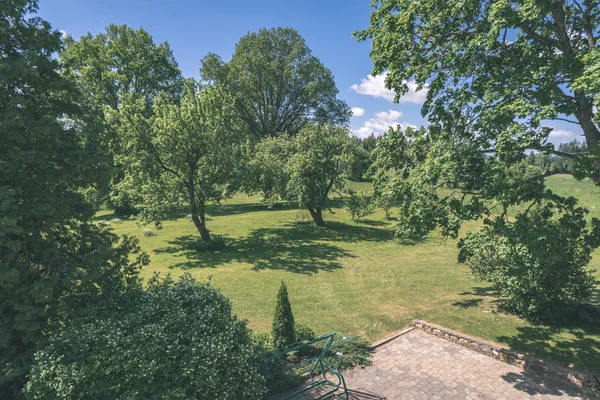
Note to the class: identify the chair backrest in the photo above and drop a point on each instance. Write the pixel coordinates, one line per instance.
(296, 363)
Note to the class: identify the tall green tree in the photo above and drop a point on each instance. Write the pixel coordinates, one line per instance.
(283, 329)
(53, 260)
(122, 62)
(185, 155)
(307, 168)
(277, 83)
(497, 70)
(497, 74)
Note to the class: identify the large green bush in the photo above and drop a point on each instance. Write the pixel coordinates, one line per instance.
(539, 261)
(175, 340)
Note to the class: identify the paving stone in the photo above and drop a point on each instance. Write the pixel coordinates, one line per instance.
(421, 366)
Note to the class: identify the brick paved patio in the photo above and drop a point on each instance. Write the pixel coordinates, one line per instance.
(417, 365)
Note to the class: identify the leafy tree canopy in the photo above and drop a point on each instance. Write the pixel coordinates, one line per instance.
(277, 83)
(496, 70)
(305, 169)
(52, 258)
(107, 68)
(186, 154)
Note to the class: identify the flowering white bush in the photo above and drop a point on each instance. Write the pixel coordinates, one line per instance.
(174, 340)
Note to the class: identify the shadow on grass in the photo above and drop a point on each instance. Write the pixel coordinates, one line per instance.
(370, 222)
(298, 248)
(580, 350)
(482, 291)
(468, 303)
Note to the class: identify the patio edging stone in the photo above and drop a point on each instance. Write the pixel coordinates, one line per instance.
(585, 381)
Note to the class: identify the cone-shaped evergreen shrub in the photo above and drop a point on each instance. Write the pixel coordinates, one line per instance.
(283, 321)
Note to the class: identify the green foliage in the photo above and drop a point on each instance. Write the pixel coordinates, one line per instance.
(539, 261)
(305, 169)
(495, 70)
(53, 260)
(494, 73)
(262, 341)
(357, 204)
(303, 332)
(108, 68)
(185, 154)
(174, 340)
(277, 83)
(347, 352)
(283, 320)
(215, 244)
(361, 162)
(441, 184)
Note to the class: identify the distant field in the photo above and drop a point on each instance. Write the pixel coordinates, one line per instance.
(355, 277)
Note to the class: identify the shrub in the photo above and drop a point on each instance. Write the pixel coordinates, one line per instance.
(175, 340)
(214, 244)
(303, 333)
(347, 352)
(357, 205)
(262, 342)
(385, 201)
(538, 262)
(148, 232)
(283, 320)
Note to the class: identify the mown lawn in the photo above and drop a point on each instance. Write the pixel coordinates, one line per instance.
(355, 277)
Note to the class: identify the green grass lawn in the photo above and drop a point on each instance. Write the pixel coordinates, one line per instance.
(355, 277)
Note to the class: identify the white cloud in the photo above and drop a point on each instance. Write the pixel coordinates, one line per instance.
(63, 33)
(375, 86)
(563, 134)
(358, 112)
(381, 123)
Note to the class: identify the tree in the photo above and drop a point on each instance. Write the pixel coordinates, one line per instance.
(305, 169)
(494, 72)
(277, 83)
(107, 68)
(498, 69)
(362, 162)
(174, 340)
(283, 329)
(441, 184)
(541, 275)
(53, 260)
(185, 154)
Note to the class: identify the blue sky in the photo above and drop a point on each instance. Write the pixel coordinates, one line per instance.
(195, 28)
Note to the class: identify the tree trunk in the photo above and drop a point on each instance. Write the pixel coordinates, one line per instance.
(200, 223)
(198, 213)
(317, 216)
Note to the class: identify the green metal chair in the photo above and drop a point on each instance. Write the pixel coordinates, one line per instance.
(300, 372)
